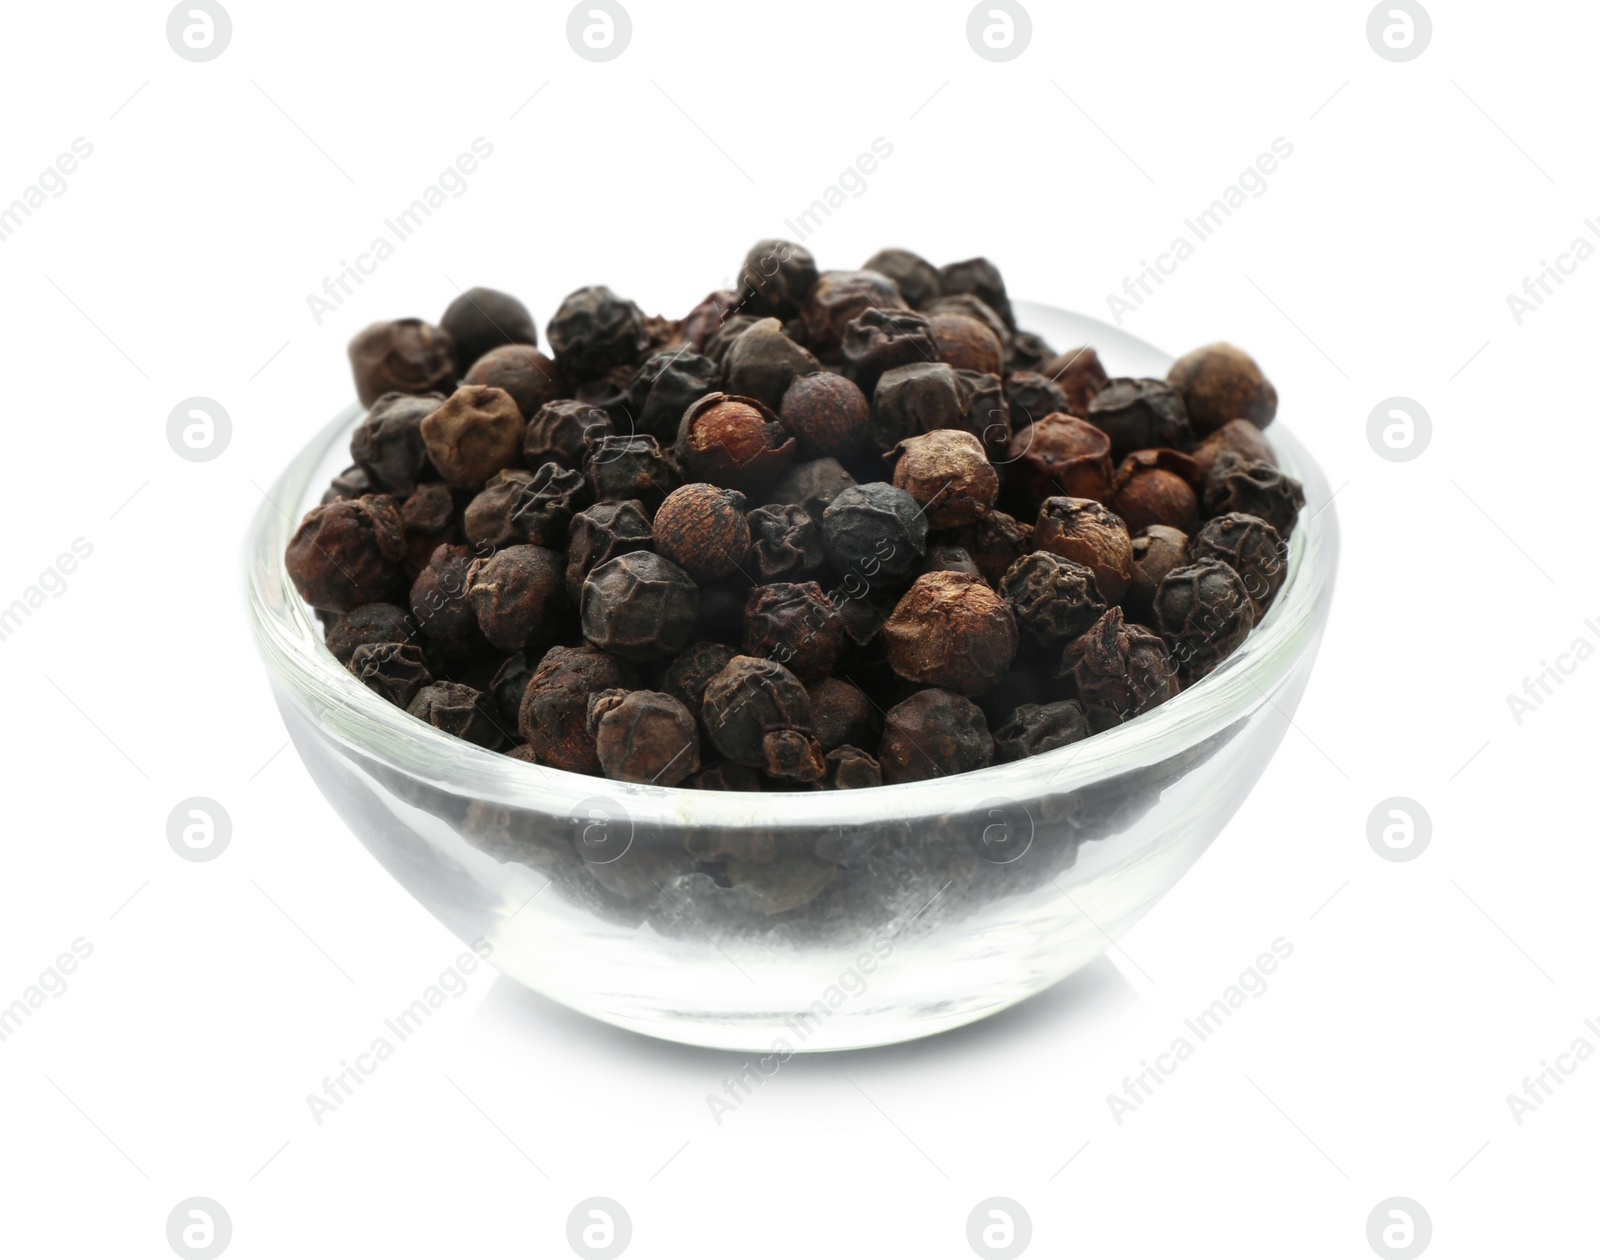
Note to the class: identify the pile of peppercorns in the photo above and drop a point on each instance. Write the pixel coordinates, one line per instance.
(828, 530)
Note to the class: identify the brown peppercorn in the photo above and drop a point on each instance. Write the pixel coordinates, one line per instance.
(917, 398)
(480, 320)
(915, 277)
(812, 485)
(1255, 488)
(620, 468)
(995, 542)
(1250, 547)
(1203, 611)
(527, 374)
(785, 544)
(758, 715)
(404, 356)
(1028, 352)
(931, 734)
(838, 297)
(947, 472)
(440, 605)
(1053, 599)
(852, 767)
(702, 528)
(487, 520)
(348, 553)
(973, 307)
(988, 415)
(473, 434)
(602, 533)
(593, 331)
(762, 361)
(794, 756)
(545, 506)
(707, 316)
(945, 558)
(352, 483)
(1157, 551)
(518, 594)
(1038, 728)
(561, 431)
(370, 623)
(429, 514)
(1237, 437)
(964, 342)
(776, 277)
(1080, 375)
(1093, 535)
(1220, 383)
(982, 279)
(1032, 396)
(388, 444)
(877, 340)
(639, 606)
(1140, 414)
(643, 737)
(795, 624)
(1156, 488)
(555, 705)
(459, 710)
(1119, 670)
(841, 713)
(1059, 454)
(664, 387)
(827, 412)
(396, 671)
(951, 630)
(692, 669)
(731, 441)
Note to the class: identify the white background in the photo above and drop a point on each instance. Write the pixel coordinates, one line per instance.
(1377, 263)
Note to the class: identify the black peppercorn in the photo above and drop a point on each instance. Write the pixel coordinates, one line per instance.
(440, 606)
(707, 317)
(1237, 437)
(776, 277)
(555, 705)
(951, 630)
(396, 671)
(875, 532)
(917, 398)
(947, 558)
(931, 734)
(702, 529)
(758, 715)
(1156, 488)
(915, 277)
(405, 356)
(481, 320)
(1093, 535)
(947, 472)
(995, 541)
(561, 431)
(1028, 352)
(1203, 611)
(459, 710)
(1079, 374)
(388, 444)
(690, 672)
(1038, 728)
(620, 468)
(732, 441)
(1053, 599)
(877, 340)
(1255, 488)
(841, 713)
(1058, 455)
(981, 278)
(988, 415)
(966, 343)
(602, 533)
(528, 375)
(1247, 545)
(1220, 383)
(785, 544)
(352, 483)
(1140, 414)
(1032, 397)
(508, 685)
(643, 737)
(795, 624)
(370, 623)
(852, 767)
(594, 330)
(487, 520)
(517, 595)
(838, 297)
(1156, 552)
(973, 307)
(473, 434)
(1119, 670)
(664, 387)
(639, 606)
(812, 485)
(429, 515)
(827, 412)
(762, 361)
(348, 553)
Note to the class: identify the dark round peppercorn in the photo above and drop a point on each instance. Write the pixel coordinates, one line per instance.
(528, 375)
(348, 553)
(602, 533)
(931, 734)
(594, 330)
(877, 340)
(440, 606)
(966, 343)
(775, 277)
(1249, 546)
(841, 713)
(796, 624)
(876, 532)
(404, 356)
(1156, 552)
(555, 705)
(487, 520)
(473, 434)
(995, 541)
(643, 737)
(838, 297)
(1058, 455)
(917, 398)
(481, 320)
(972, 306)
(1237, 437)
(762, 361)
(852, 767)
(1119, 670)
(981, 278)
(702, 529)
(1220, 383)
(951, 630)
(429, 514)
(639, 606)
(517, 595)
(915, 277)
(946, 558)
(785, 544)
(561, 430)
(1255, 488)
(370, 623)
(545, 506)
(636, 467)
(1038, 728)
(663, 389)
(388, 444)
(1028, 352)
(733, 441)
(396, 671)
(686, 678)
(1155, 488)
(1203, 611)
(1053, 599)
(947, 472)
(459, 710)
(812, 485)
(1140, 414)
(1033, 396)
(1080, 375)
(1093, 535)
(747, 710)
(827, 412)
(508, 685)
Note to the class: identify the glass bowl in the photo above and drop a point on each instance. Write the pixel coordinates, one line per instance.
(856, 918)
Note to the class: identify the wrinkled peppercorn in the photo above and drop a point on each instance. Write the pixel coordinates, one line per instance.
(1053, 599)
(556, 701)
(639, 606)
(1028, 352)
(1237, 437)
(966, 343)
(981, 278)
(827, 412)
(702, 529)
(405, 356)
(528, 375)
(396, 671)
(931, 734)
(1038, 728)
(487, 519)
(838, 297)
(876, 532)
(758, 715)
(1156, 488)
(1203, 611)
(841, 713)
(561, 431)
(1033, 396)
(1119, 670)
(440, 605)
(352, 483)
(795, 624)
(602, 533)
(621, 468)
(946, 558)
(473, 434)
(388, 444)
(947, 472)
(1156, 552)
(459, 710)
(594, 330)
(812, 485)
(1080, 375)
(481, 320)
(994, 542)
(1140, 414)
(707, 317)
(915, 277)
(1249, 546)
(776, 277)
(877, 340)
(736, 442)
(1220, 383)
(686, 678)
(1093, 535)
(917, 398)
(852, 767)
(973, 307)
(785, 544)
(951, 630)
(1255, 488)
(1057, 455)
(643, 737)
(507, 687)
(517, 594)
(663, 388)
(348, 553)
(370, 623)
(762, 361)
(988, 415)
(429, 515)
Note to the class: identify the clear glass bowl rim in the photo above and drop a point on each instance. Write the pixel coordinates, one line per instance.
(299, 664)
